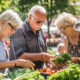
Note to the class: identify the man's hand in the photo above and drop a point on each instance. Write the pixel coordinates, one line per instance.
(24, 63)
(46, 57)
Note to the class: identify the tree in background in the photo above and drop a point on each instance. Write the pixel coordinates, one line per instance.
(23, 6)
(53, 7)
(4, 4)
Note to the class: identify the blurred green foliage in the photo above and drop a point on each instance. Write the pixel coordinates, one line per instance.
(53, 7)
(4, 5)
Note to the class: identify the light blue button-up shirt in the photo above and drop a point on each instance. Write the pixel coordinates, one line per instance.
(2, 52)
(3, 57)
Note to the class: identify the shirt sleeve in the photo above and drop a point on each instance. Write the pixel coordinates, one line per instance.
(44, 41)
(17, 44)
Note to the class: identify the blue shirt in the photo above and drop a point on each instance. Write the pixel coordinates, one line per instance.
(3, 57)
(2, 52)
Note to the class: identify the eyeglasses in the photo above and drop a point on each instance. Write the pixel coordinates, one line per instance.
(77, 26)
(38, 22)
(11, 26)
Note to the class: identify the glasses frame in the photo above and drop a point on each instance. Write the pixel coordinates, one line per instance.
(77, 26)
(11, 26)
(38, 22)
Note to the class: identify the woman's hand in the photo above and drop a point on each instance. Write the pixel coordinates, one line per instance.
(50, 64)
(24, 63)
(61, 65)
(75, 59)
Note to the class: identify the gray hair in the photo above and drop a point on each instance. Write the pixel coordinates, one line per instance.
(11, 17)
(65, 19)
(35, 8)
(60, 45)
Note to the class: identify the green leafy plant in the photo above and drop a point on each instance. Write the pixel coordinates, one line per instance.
(25, 74)
(72, 72)
(61, 59)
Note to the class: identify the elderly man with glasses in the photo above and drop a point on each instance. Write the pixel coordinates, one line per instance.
(28, 42)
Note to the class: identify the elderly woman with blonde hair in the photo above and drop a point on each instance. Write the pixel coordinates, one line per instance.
(66, 23)
(9, 22)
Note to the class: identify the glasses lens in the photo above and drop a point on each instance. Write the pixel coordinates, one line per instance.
(40, 22)
(77, 26)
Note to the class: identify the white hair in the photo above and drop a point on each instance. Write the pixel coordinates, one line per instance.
(60, 45)
(11, 17)
(65, 19)
(35, 8)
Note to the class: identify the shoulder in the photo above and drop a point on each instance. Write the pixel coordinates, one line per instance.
(42, 34)
(20, 30)
(17, 33)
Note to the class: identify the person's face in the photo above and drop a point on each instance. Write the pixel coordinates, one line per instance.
(7, 29)
(36, 21)
(66, 31)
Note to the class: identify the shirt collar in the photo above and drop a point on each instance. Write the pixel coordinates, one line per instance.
(29, 27)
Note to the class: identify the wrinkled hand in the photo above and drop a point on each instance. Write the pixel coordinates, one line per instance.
(24, 63)
(50, 64)
(75, 59)
(46, 57)
(61, 65)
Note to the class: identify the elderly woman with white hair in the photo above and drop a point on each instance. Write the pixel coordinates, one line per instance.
(9, 22)
(66, 23)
